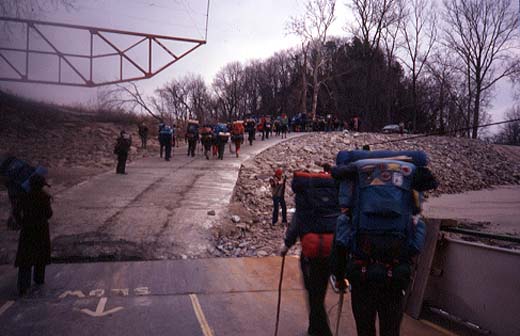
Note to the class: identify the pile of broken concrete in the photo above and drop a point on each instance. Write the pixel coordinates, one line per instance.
(459, 164)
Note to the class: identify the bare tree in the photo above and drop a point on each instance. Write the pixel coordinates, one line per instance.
(186, 98)
(510, 132)
(227, 86)
(484, 34)
(373, 19)
(313, 27)
(419, 34)
(128, 96)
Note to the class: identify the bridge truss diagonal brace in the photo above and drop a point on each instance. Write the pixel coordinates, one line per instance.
(86, 77)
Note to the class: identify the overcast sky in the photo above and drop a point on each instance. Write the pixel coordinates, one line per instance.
(238, 30)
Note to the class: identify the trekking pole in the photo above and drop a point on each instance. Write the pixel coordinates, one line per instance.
(279, 298)
(340, 308)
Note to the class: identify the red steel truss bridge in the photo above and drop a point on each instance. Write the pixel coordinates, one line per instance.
(133, 61)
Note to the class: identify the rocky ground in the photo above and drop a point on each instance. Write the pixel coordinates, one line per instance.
(459, 164)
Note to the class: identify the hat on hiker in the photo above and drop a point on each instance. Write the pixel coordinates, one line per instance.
(278, 172)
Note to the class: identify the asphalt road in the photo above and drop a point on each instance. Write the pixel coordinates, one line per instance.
(175, 297)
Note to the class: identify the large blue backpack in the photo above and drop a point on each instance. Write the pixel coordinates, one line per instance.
(382, 215)
(377, 188)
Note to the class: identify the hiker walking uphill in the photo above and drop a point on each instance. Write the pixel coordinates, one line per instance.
(121, 149)
(192, 136)
(34, 245)
(206, 134)
(166, 136)
(250, 129)
(222, 137)
(284, 125)
(277, 183)
(237, 135)
(379, 231)
(314, 223)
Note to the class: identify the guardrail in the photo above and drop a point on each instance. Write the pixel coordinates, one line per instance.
(477, 283)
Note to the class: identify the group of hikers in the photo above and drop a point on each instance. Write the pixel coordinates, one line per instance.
(211, 137)
(359, 226)
(214, 137)
(358, 222)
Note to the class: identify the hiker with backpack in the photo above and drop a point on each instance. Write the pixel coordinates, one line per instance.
(166, 138)
(15, 174)
(314, 223)
(379, 232)
(284, 125)
(277, 183)
(237, 135)
(250, 129)
(121, 149)
(192, 136)
(206, 134)
(34, 245)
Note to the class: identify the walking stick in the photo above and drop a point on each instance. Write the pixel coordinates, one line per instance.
(279, 298)
(340, 308)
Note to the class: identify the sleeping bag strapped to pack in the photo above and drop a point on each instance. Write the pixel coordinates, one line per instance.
(317, 208)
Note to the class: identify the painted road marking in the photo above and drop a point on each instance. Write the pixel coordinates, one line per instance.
(100, 309)
(6, 306)
(206, 330)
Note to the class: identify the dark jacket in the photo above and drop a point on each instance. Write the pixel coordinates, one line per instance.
(34, 245)
(316, 200)
(122, 146)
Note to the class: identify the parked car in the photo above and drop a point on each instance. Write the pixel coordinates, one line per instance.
(393, 128)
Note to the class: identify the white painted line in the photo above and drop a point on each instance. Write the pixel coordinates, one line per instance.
(100, 309)
(6, 306)
(206, 330)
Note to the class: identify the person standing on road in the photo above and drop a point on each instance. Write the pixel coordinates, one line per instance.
(34, 245)
(277, 183)
(143, 134)
(314, 223)
(121, 149)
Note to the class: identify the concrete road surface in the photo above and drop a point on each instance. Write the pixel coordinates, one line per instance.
(177, 297)
(499, 206)
(158, 211)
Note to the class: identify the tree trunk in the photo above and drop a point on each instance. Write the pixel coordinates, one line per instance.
(303, 103)
(476, 109)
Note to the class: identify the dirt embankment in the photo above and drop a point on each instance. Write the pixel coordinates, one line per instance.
(74, 145)
(459, 164)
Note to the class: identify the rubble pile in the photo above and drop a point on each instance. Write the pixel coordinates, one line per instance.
(459, 165)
